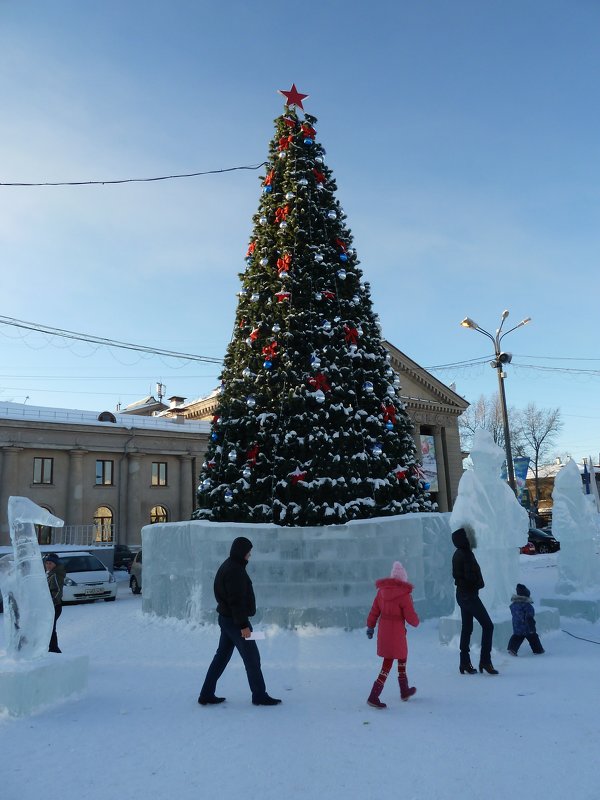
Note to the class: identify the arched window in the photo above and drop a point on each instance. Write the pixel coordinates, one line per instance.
(103, 520)
(159, 514)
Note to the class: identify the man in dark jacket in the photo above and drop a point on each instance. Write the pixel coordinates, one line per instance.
(235, 604)
(55, 575)
(469, 580)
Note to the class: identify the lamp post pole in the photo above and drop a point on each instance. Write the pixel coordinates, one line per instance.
(498, 363)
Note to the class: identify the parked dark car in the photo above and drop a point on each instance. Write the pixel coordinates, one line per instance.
(123, 557)
(542, 541)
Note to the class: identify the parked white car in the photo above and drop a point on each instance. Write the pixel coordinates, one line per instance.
(135, 571)
(86, 578)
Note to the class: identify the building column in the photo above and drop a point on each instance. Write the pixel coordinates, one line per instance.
(75, 489)
(9, 487)
(186, 498)
(134, 520)
(441, 460)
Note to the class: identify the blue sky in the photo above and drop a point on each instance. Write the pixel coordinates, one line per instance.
(464, 137)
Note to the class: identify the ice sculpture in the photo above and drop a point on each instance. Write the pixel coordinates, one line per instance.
(488, 510)
(323, 576)
(574, 526)
(28, 608)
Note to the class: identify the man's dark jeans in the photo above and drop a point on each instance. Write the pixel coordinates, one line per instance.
(472, 608)
(231, 637)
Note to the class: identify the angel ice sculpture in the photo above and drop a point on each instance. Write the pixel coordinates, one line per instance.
(488, 510)
(28, 607)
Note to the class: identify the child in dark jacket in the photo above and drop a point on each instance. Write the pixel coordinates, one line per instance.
(393, 608)
(523, 620)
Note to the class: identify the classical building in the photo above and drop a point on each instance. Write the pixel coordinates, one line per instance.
(432, 406)
(106, 475)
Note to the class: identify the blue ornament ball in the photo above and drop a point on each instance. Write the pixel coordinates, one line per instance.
(389, 425)
(267, 189)
(214, 436)
(426, 485)
(268, 364)
(343, 257)
(308, 140)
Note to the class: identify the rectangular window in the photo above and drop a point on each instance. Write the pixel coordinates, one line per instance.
(104, 473)
(42, 470)
(159, 473)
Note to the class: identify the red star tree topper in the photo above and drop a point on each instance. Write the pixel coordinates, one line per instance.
(293, 97)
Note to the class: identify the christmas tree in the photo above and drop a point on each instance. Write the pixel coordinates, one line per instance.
(309, 429)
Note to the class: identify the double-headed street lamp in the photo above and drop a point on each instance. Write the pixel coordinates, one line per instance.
(500, 359)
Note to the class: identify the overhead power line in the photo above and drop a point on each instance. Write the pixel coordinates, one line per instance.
(479, 362)
(84, 337)
(135, 180)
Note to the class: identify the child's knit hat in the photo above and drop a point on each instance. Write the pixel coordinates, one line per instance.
(522, 590)
(399, 572)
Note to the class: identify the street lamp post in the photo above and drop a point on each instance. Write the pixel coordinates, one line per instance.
(501, 358)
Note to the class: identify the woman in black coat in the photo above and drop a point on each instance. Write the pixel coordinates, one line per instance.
(468, 579)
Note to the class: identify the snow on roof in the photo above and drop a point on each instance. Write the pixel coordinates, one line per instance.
(20, 411)
(145, 401)
(552, 470)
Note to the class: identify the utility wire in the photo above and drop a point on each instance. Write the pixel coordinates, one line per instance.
(135, 180)
(515, 365)
(471, 362)
(569, 370)
(557, 358)
(84, 337)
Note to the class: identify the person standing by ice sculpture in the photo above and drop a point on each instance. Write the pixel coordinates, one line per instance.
(55, 575)
(235, 604)
(392, 607)
(469, 580)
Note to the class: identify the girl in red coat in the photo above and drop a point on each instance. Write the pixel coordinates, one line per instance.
(393, 607)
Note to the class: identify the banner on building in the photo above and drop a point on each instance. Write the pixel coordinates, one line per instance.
(520, 467)
(428, 461)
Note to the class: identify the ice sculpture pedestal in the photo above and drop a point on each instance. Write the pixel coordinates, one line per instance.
(29, 685)
(546, 620)
(577, 605)
(323, 576)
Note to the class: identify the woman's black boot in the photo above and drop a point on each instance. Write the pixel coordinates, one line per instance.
(489, 668)
(467, 668)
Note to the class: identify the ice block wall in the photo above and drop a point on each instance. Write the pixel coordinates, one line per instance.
(321, 576)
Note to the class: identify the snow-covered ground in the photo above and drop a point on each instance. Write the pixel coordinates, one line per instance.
(138, 732)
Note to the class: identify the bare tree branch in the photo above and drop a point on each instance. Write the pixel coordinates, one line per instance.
(538, 429)
(486, 412)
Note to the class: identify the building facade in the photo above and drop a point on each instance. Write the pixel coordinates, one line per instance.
(105, 475)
